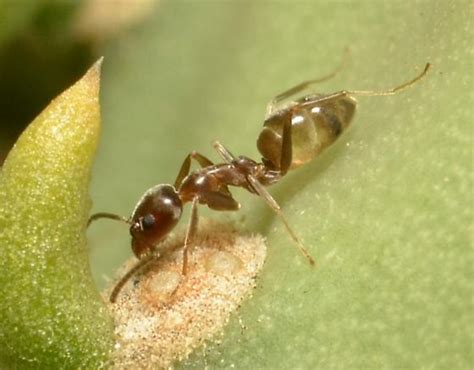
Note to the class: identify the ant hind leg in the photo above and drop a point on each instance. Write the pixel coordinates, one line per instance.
(286, 148)
(262, 192)
(391, 91)
(274, 103)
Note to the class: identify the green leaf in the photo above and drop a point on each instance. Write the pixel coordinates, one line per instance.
(386, 211)
(15, 16)
(51, 315)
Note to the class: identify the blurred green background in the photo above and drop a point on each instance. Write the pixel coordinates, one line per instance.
(387, 211)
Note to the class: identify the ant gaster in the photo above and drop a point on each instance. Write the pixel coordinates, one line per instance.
(293, 134)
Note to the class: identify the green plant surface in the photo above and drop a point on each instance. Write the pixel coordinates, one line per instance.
(386, 211)
(51, 315)
(15, 16)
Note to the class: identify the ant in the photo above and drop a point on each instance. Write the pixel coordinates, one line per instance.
(293, 134)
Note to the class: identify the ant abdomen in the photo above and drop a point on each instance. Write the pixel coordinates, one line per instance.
(315, 125)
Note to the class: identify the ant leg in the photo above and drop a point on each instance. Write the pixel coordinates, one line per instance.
(286, 156)
(201, 159)
(111, 216)
(220, 200)
(391, 91)
(286, 148)
(260, 190)
(142, 262)
(395, 89)
(273, 104)
(190, 233)
(186, 166)
(223, 151)
(183, 172)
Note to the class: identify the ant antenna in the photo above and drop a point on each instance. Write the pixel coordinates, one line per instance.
(141, 263)
(111, 216)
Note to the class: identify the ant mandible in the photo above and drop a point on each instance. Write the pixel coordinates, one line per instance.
(293, 134)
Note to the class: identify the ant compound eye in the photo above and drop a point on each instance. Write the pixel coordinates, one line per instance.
(156, 214)
(148, 221)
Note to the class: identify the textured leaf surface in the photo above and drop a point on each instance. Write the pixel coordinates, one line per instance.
(386, 211)
(51, 315)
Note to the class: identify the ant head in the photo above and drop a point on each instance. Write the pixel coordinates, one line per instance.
(155, 215)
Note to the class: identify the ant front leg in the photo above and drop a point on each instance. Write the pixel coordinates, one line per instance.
(190, 233)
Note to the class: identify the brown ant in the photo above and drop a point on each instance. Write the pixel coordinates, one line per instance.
(293, 134)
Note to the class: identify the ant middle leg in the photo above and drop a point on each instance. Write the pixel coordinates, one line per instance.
(186, 166)
(220, 200)
(225, 154)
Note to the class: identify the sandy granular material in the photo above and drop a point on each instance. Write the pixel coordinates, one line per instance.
(161, 316)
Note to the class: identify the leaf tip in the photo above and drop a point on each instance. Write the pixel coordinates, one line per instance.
(97, 66)
(92, 77)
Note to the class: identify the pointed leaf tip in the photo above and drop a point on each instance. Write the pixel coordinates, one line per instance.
(51, 315)
(95, 70)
